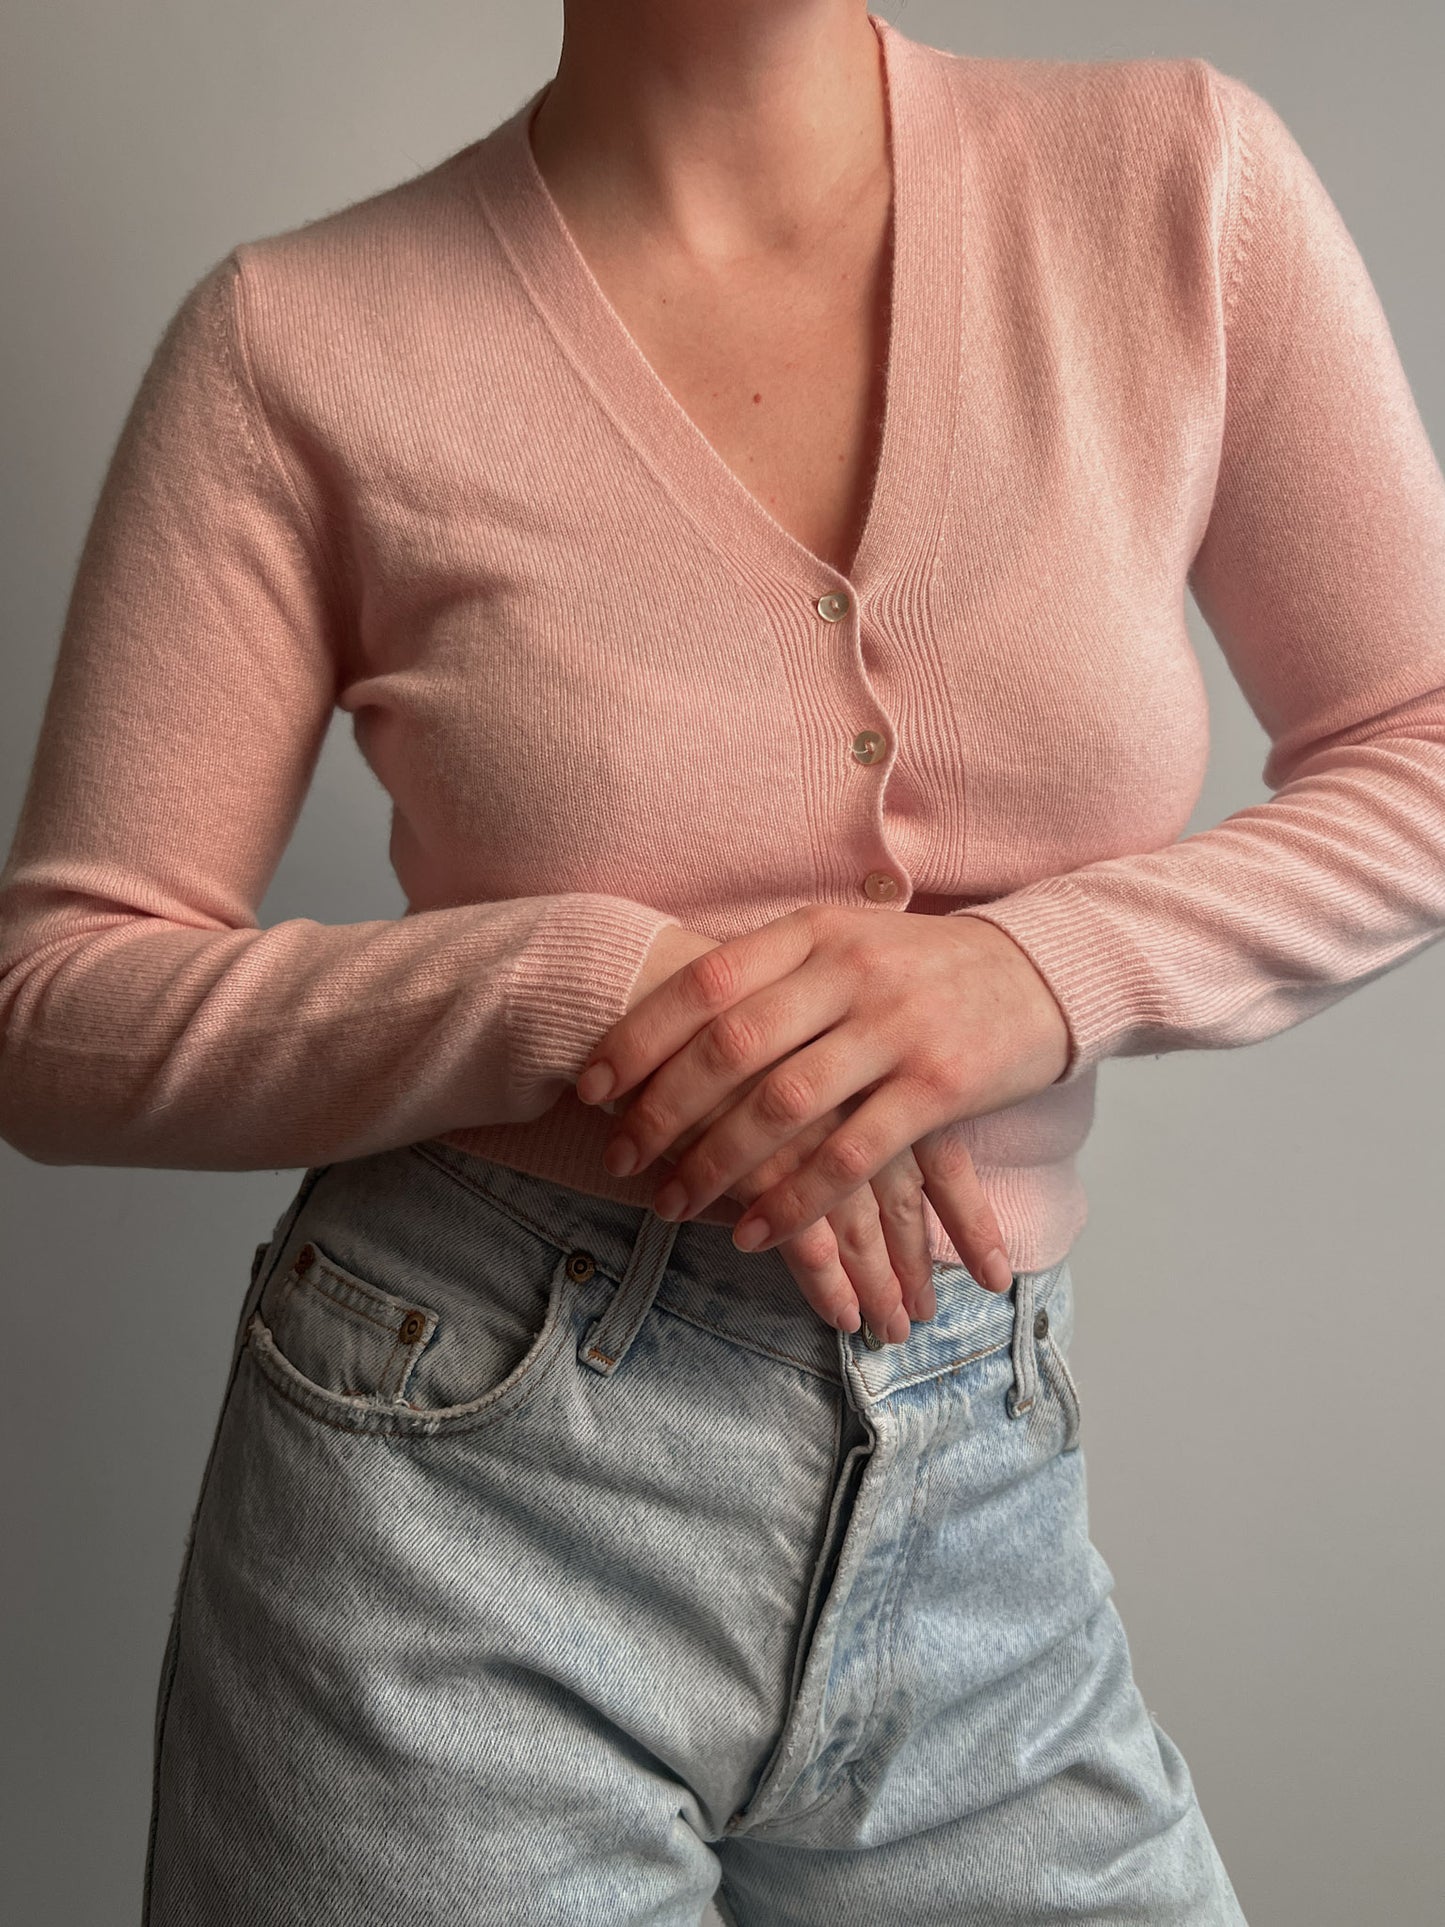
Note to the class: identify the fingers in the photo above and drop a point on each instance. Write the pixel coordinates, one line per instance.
(869, 1258)
(813, 1259)
(886, 1122)
(965, 1213)
(658, 1027)
(785, 1099)
(851, 1152)
(843, 1264)
(899, 1195)
(862, 1248)
(718, 1072)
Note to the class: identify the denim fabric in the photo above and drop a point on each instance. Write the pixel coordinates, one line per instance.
(557, 1564)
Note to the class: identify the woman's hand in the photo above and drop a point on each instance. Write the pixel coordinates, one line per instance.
(931, 1019)
(867, 1258)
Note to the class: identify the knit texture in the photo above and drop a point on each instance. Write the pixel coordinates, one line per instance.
(407, 460)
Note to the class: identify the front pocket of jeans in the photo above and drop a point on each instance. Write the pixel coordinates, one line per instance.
(340, 1332)
(405, 1346)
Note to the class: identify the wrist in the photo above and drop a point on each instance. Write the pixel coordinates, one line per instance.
(673, 947)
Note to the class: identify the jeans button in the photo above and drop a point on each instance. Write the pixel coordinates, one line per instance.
(871, 1338)
(1041, 1325)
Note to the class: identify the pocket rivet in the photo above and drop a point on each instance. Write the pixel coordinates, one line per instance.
(1041, 1325)
(581, 1265)
(305, 1256)
(411, 1328)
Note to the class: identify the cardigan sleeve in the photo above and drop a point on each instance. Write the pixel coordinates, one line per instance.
(1321, 574)
(146, 1019)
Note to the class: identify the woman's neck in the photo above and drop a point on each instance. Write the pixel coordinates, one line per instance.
(719, 127)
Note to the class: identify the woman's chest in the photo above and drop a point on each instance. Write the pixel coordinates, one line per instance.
(567, 682)
(779, 361)
(578, 636)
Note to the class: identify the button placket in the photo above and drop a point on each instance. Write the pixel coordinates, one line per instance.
(869, 747)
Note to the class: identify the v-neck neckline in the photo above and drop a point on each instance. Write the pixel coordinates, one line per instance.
(910, 472)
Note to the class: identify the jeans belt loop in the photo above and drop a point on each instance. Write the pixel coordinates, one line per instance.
(605, 1342)
(1025, 1359)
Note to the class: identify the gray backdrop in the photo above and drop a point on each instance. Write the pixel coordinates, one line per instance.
(1260, 1326)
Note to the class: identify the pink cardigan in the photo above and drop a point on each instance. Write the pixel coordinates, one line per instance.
(405, 458)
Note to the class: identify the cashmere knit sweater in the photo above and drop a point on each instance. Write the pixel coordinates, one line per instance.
(405, 459)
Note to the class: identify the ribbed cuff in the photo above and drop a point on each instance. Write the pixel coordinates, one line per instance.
(1050, 922)
(571, 984)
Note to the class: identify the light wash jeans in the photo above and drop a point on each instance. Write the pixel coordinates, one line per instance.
(557, 1564)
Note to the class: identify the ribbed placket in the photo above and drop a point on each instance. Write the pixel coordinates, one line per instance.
(830, 628)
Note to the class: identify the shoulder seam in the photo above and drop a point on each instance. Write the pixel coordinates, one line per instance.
(271, 457)
(1240, 198)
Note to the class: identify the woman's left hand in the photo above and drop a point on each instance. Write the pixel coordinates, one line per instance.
(935, 1018)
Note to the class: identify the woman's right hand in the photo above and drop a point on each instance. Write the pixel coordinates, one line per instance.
(869, 1257)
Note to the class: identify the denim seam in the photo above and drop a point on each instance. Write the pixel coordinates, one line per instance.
(387, 1429)
(957, 1365)
(847, 1775)
(1065, 1391)
(813, 1598)
(395, 1358)
(290, 1280)
(342, 1304)
(517, 1217)
(922, 1479)
(788, 1358)
(943, 1371)
(299, 1404)
(844, 1777)
(743, 1344)
(170, 1661)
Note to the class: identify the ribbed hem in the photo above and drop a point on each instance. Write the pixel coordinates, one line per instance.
(1041, 1209)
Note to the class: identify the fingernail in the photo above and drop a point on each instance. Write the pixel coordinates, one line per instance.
(595, 1083)
(898, 1327)
(927, 1304)
(620, 1157)
(671, 1200)
(996, 1272)
(849, 1321)
(749, 1233)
